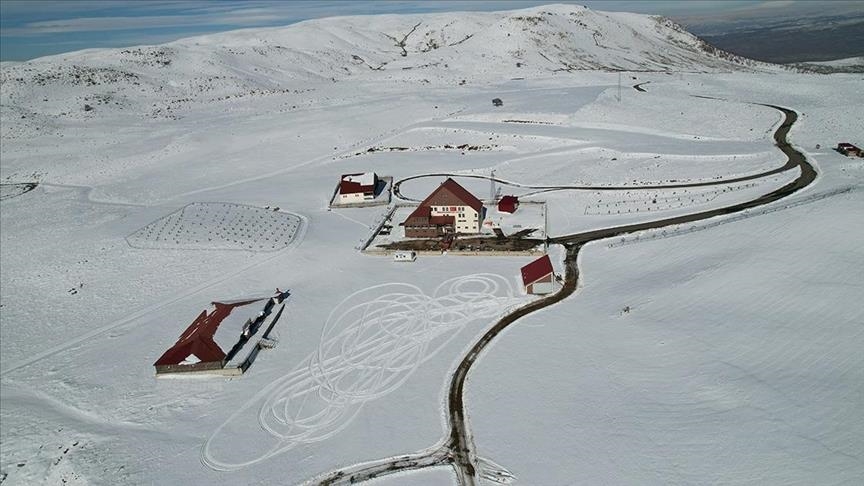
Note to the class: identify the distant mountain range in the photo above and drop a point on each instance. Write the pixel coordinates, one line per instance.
(787, 40)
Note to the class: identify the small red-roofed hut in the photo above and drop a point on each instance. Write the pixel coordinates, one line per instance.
(508, 204)
(538, 276)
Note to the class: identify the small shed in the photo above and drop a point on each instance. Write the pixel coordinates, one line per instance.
(497, 102)
(538, 276)
(405, 256)
(849, 150)
(508, 204)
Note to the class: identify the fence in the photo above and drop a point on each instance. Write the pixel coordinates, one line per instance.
(683, 230)
(376, 227)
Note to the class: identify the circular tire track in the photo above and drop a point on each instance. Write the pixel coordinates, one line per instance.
(791, 163)
(371, 344)
(458, 448)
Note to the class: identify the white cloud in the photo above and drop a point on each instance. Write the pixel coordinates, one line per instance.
(237, 17)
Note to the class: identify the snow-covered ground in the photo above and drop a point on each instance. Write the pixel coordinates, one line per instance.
(738, 362)
(847, 65)
(849, 61)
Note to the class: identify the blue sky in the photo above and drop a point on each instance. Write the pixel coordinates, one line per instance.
(34, 28)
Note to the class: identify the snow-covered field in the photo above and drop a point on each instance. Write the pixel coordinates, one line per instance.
(737, 361)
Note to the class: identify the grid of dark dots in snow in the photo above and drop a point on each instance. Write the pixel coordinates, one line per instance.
(219, 226)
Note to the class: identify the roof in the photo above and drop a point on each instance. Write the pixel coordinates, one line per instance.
(458, 192)
(442, 220)
(508, 202)
(420, 212)
(422, 216)
(536, 270)
(197, 339)
(352, 183)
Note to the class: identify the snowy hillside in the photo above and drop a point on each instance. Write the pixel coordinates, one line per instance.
(435, 50)
(705, 329)
(847, 65)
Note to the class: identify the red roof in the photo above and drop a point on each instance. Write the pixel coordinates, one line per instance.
(442, 196)
(350, 183)
(508, 204)
(421, 212)
(197, 339)
(458, 191)
(536, 270)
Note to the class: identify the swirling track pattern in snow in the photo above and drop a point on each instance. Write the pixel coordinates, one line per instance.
(371, 344)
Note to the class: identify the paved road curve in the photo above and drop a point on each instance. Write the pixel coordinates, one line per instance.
(791, 163)
(464, 458)
(458, 448)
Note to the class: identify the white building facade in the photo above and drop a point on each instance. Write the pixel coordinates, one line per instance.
(466, 219)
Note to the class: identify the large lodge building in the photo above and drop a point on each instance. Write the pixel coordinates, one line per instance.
(449, 209)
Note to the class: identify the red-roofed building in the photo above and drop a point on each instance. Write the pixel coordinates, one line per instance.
(354, 188)
(449, 209)
(508, 204)
(538, 276)
(196, 350)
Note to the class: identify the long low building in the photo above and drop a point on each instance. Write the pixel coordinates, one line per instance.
(201, 347)
(449, 209)
(196, 349)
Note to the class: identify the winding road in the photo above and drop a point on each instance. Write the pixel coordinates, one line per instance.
(790, 164)
(457, 448)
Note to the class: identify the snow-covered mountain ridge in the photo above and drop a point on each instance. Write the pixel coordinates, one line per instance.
(439, 50)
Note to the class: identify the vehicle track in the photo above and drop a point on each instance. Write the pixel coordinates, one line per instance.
(16, 189)
(459, 445)
(790, 164)
(371, 344)
(539, 188)
(638, 87)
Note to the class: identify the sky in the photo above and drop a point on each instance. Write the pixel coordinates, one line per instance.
(35, 28)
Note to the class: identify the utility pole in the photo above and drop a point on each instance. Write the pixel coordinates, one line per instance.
(619, 86)
(492, 187)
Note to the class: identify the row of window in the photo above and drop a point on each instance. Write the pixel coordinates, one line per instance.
(449, 209)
